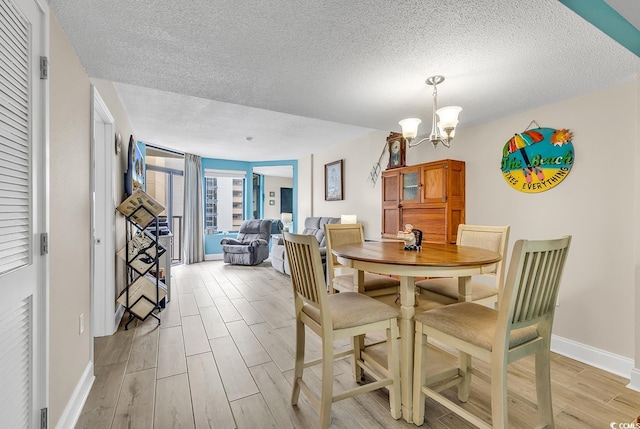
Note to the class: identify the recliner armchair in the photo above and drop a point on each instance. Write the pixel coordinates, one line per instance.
(251, 247)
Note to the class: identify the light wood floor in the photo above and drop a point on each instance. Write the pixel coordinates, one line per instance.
(223, 358)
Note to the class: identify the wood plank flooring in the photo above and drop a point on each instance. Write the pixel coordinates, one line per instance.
(223, 358)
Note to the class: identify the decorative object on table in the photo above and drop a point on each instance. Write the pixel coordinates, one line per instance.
(272, 194)
(441, 131)
(333, 181)
(143, 293)
(537, 159)
(397, 146)
(412, 237)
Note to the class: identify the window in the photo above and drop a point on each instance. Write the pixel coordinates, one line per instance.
(224, 200)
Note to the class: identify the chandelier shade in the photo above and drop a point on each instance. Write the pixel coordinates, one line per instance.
(442, 131)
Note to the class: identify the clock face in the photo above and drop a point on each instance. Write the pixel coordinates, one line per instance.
(395, 147)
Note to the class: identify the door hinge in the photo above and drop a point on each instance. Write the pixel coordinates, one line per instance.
(44, 68)
(44, 243)
(44, 421)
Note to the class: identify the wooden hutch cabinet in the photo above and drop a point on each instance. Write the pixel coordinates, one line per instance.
(429, 196)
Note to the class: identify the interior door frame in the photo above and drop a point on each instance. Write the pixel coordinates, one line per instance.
(41, 322)
(104, 318)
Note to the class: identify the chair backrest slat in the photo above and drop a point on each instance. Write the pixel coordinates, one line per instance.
(307, 278)
(494, 238)
(337, 235)
(533, 281)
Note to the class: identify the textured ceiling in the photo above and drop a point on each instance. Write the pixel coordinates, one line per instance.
(201, 76)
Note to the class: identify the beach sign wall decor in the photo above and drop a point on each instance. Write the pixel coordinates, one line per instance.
(537, 159)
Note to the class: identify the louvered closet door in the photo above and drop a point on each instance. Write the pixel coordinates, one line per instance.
(21, 208)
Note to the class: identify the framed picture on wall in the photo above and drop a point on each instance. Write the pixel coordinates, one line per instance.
(333, 181)
(272, 194)
(272, 202)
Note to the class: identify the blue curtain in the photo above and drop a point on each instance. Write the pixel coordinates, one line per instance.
(193, 210)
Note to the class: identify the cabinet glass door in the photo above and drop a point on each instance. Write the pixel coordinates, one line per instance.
(410, 186)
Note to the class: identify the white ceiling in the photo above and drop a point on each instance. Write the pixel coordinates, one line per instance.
(302, 75)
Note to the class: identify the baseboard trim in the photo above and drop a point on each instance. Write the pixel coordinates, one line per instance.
(214, 257)
(635, 380)
(117, 317)
(597, 358)
(72, 411)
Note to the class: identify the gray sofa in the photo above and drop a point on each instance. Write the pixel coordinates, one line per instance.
(312, 226)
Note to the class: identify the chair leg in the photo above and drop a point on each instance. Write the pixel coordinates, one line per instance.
(499, 416)
(393, 365)
(543, 388)
(299, 362)
(419, 375)
(357, 343)
(326, 398)
(464, 387)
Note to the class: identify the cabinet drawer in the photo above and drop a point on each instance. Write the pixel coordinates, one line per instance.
(431, 221)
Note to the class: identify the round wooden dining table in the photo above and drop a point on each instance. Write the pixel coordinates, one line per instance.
(433, 260)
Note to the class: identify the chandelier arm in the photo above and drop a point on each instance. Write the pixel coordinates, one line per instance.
(414, 144)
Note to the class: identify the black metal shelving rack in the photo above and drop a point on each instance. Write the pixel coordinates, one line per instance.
(145, 254)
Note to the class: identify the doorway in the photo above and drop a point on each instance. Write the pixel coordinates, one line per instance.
(276, 192)
(104, 319)
(165, 183)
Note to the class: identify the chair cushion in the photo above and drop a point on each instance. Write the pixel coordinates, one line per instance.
(372, 282)
(349, 309)
(473, 323)
(449, 287)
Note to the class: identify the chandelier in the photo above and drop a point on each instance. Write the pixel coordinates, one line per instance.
(441, 131)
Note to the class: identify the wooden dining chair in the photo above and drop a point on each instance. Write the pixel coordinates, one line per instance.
(334, 317)
(445, 290)
(521, 326)
(374, 284)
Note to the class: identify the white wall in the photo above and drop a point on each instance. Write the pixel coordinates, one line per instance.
(595, 203)
(305, 191)
(70, 282)
(360, 197)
